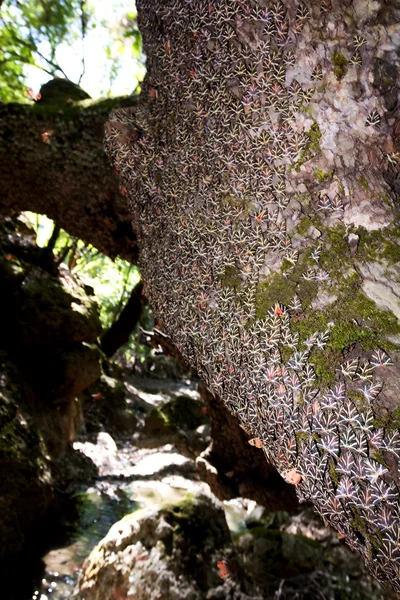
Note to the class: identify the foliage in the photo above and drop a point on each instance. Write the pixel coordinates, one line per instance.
(30, 31)
(56, 37)
(124, 37)
(111, 280)
(132, 31)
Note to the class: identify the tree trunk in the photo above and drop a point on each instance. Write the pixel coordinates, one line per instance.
(118, 334)
(233, 468)
(52, 162)
(261, 168)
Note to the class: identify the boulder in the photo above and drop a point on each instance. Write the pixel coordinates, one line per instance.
(182, 551)
(25, 478)
(49, 327)
(179, 422)
(105, 404)
(299, 557)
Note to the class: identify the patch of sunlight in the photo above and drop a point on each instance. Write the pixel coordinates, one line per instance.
(78, 308)
(155, 493)
(111, 280)
(149, 465)
(236, 511)
(42, 225)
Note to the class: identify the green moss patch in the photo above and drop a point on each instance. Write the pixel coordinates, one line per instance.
(340, 65)
(197, 527)
(278, 288)
(312, 146)
(322, 175)
(351, 308)
(363, 182)
(180, 413)
(351, 317)
(378, 244)
(390, 421)
(231, 277)
(325, 363)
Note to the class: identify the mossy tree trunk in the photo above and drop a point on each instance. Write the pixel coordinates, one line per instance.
(52, 162)
(262, 170)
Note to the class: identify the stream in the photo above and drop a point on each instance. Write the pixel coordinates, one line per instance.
(129, 481)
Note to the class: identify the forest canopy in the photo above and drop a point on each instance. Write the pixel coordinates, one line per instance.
(80, 40)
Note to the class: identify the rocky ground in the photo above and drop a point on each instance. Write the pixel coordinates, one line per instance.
(149, 528)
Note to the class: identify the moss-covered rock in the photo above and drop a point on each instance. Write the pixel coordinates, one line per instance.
(50, 327)
(171, 552)
(301, 558)
(105, 405)
(52, 310)
(25, 478)
(181, 413)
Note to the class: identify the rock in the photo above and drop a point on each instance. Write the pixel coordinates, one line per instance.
(353, 240)
(50, 327)
(106, 443)
(104, 453)
(72, 473)
(61, 90)
(25, 489)
(182, 551)
(124, 421)
(297, 557)
(105, 405)
(54, 309)
(176, 422)
(182, 412)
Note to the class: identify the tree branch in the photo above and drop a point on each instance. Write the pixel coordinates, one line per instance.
(119, 332)
(52, 162)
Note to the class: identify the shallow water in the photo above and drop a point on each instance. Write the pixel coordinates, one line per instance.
(98, 510)
(129, 480)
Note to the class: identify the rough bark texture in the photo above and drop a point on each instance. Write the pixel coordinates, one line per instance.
(52, 162)
(233, 468)
(118, 333)
(261, 168)
(230, 465)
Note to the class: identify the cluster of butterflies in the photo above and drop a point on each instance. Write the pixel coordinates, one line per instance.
(204, 161)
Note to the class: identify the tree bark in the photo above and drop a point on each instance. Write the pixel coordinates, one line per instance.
(52, 162)
(233, 468)
(118, 334)
(24, 126)
(261, 169)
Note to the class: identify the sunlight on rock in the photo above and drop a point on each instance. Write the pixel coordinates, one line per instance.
(153, 463)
